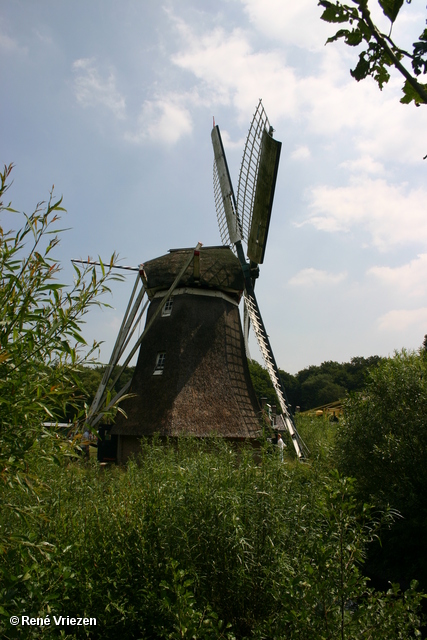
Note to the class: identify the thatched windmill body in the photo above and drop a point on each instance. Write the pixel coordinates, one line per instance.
(192, 375)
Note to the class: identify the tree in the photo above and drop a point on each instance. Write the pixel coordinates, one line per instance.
(292, 388)
(315, 385)
(382, 442)
(357, 370)
(380, 52)
(262, 384)
(320, 389)
(40, 328)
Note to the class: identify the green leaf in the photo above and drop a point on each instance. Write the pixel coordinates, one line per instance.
(51, 287)
(391, 8)
(411, 95)
(354, 37)
(333, 12)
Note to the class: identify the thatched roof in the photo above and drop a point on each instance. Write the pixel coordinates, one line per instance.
(205, 387)
(219, 269)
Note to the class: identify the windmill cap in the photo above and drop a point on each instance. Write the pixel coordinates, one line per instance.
(219, 270)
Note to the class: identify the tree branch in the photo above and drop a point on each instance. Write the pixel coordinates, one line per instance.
(382, 41)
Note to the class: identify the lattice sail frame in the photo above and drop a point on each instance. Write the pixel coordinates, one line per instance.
(249, 168)
(251, 305)
(247, 180)
(245, 192)
(220, 210)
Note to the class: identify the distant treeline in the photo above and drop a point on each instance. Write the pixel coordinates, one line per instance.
(316, 385)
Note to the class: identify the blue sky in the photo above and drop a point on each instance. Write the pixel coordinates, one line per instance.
(112, 102)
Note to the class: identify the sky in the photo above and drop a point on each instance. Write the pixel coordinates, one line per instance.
(112, 102)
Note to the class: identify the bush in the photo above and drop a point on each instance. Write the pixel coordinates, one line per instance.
(318, 433)
(40, 329)
(198, 541)
(382, 442)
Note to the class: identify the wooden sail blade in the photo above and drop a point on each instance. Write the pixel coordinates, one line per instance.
(264, 195)
(225, 201)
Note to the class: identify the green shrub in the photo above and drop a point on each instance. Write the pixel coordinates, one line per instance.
(197, 541)
(382, 442)
(40, 328)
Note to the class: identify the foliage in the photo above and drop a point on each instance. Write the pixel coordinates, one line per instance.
(320, 389)
(380, 51)
(262, 384)
(318, 433)
(198, 541)
(315, 385)
(88, 379)
(382, 442)
(40, 328)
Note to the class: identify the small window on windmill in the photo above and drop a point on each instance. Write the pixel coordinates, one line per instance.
(160, 364)
(167, 309)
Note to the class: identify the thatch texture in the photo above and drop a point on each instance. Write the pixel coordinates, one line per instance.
(219, 269)
(205, 387)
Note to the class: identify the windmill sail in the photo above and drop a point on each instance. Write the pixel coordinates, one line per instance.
(270, 363)
(263, 199)
(224, 196)
(127, 329)
(248, 175)
(248, 220)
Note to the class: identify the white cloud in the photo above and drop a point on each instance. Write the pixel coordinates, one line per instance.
(10, 45)
(391, 214)
(331, 102)
(45, 38)
(315, 277)
(296, 23)
(229, 143)
(301, 152)
(401, 319)
(364, 164)
(390, 130)
(93, 90)
(410, 278)
(165, 119)
(114, 323)
(230, 72)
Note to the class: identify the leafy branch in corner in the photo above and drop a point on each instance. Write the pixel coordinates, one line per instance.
(380, 51)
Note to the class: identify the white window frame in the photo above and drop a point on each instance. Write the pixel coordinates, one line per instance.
(160, 363)
(167, 309)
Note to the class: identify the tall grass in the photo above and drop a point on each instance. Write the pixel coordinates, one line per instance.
(318, 433)
(195, 541)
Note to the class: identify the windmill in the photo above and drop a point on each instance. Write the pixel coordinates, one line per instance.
(246, 220)
(192, 375)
